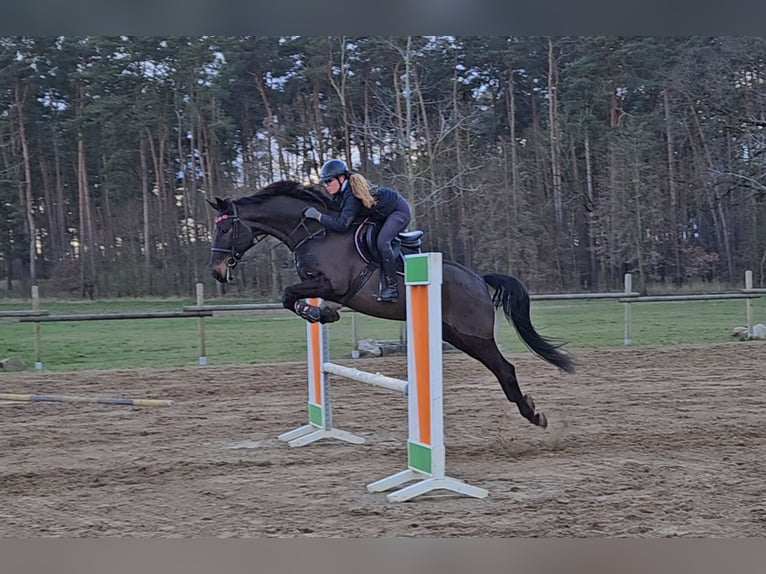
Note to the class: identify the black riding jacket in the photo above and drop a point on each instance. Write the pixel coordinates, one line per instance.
(351, 207)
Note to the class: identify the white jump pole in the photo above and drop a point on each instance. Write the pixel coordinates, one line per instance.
(201, 325)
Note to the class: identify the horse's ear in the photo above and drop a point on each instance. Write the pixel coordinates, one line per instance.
(218, 205)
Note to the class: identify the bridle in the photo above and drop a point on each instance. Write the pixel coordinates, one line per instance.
(235, 254)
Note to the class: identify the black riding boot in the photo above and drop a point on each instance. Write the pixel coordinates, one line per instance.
(390, 288)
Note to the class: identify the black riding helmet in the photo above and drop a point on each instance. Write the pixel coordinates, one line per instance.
(332, 169)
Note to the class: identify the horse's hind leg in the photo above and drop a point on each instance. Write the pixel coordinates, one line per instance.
(486, 351)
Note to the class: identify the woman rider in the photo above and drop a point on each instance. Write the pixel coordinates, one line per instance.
(358, 197)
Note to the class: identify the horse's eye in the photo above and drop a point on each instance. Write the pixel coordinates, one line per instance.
(225, 230)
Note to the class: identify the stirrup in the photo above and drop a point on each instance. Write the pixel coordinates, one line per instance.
(311, 313)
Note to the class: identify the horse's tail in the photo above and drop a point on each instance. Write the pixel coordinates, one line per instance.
(512, 295)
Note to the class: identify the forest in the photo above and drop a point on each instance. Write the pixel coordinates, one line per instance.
(566, 161)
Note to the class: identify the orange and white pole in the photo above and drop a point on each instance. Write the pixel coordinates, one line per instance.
(319, 405)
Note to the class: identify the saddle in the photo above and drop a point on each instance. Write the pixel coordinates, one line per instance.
(404, 243)
(364, 241)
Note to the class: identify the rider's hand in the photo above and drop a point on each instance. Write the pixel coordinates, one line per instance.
(312, 213)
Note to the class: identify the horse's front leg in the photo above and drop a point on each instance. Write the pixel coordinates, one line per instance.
(320, 286)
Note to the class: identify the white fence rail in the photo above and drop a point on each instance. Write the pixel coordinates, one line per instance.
(627, 297)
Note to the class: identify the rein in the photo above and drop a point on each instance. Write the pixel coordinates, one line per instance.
(321, 232)
(235, 255)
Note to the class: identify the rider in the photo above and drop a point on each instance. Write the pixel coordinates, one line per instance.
(358, 197)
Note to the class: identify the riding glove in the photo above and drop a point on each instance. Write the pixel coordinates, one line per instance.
(312, 213)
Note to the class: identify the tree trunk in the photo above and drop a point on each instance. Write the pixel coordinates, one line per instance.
(715, 202)
(553, 130)
(340, 91)
(590, 218)
(87, 261)
(107, 229)
(61, 215)
(613, 224)
(674, 227)
(145, 199)
(20, 98)
(514, 150)
(638, 237)
(52, 245)
(157, 151)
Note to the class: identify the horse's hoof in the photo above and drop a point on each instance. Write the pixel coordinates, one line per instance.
(542, 420)
(329, 315)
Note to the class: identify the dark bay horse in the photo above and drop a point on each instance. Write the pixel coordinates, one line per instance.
(329, 265)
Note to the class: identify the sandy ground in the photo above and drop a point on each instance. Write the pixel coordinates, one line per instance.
(642, 443)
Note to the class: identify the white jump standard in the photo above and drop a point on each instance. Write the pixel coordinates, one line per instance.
(319, 406)
(425, 444)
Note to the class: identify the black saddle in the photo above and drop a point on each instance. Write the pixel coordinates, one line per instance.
(405, 243)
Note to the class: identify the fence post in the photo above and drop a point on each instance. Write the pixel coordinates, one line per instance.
(201, 326)
(749, 302)
(628, 290)
(36, 327)
(354, 338)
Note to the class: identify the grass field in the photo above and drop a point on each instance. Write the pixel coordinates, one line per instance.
(274, 336)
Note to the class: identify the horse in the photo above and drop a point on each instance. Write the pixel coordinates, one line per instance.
(330, 266)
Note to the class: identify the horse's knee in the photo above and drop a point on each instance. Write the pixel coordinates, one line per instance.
(288, 299)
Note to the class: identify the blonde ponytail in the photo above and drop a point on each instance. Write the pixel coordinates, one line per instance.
(361, 188)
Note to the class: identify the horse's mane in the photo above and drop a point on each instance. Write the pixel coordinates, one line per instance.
(308, 193)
